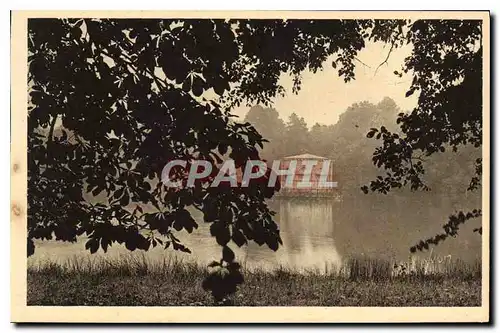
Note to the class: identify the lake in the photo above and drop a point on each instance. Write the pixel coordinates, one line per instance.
(321, 233)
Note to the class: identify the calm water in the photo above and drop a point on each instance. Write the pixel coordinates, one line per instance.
(318, 234)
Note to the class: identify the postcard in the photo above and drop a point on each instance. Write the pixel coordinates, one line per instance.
(250, 167)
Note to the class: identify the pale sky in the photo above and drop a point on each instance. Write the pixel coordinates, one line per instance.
(324, 96)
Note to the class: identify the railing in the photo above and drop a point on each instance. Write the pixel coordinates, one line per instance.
(316, 193)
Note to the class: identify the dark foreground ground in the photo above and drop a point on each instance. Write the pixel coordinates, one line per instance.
(175, 284)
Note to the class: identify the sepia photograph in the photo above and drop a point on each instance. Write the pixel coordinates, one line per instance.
(250, 166)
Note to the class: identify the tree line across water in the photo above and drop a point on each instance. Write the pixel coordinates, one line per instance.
(351, 151)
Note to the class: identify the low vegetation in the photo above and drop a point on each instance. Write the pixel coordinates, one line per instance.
(136, 281)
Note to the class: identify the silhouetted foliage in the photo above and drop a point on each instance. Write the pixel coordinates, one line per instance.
(446, 64)
(268, 123)
(130, 95)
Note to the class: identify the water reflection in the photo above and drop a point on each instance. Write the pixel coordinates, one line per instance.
(317, 234)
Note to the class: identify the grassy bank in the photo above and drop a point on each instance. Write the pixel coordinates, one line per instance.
(134, 281)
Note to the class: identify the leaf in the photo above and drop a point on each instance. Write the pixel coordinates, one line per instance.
(184, 220)
(234, 266)
(197, 86)
(227, 254)
(131, 241)
(186, 85)
(222, 148)
(410, 92)
(118, 193)
(364, 189)
(97, 190)
(238, 237)
(220, 232)
(92, 245)
(104, 244)
(219, 87)
(214, 264)
(64, 136)
(272, 243)
(124, 201)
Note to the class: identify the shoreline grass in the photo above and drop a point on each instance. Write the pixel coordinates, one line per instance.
(135, 281)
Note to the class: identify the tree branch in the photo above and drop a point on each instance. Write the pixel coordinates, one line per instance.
(386, 58)
(357, 59)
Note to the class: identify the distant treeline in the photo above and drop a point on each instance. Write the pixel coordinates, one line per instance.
(351, 151)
